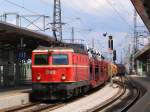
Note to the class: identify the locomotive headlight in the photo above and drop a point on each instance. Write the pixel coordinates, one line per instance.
(63, 77)
(38, 78)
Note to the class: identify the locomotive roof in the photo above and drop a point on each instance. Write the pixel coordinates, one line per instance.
(64, 48)
(46, 49)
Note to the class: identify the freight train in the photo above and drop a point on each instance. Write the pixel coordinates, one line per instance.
(64, 72)
(121, 70)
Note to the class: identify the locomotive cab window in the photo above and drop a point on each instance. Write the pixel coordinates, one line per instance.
(41, 59)
(60, 59)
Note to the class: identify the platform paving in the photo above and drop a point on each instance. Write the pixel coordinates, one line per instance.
(14, 98)
(143, 104)
(88, 102)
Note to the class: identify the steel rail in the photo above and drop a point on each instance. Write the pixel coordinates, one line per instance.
(137, 96)
(120, 93)
(34, 107)
(16, 108)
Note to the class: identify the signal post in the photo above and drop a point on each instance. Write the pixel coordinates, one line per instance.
(110, 50)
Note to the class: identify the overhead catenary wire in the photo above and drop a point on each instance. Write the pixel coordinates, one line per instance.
(97, 11)
(20, 6)
(124, 8)
(119, 15)
(128, 13)
(77, 14)
(43, 2)
(1, 3)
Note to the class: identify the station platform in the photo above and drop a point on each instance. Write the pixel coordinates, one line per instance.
(14, 97)
(90, 101)
(143, 104)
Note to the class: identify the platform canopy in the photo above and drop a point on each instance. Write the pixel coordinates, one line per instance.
(15, 38)
(142, 54)
(11, 34)
(143, 8)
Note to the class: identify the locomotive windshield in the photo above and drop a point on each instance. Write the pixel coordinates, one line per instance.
(41, 59)
(60, 59)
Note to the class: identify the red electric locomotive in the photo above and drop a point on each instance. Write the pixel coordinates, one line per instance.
(61, 72)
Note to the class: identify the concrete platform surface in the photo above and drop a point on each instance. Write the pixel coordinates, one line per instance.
(90, 101)
(142, 105)
(14, 98)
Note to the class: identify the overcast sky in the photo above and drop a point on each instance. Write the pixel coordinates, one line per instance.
(100, 16)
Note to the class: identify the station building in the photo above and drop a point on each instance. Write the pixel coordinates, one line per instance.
(142, 57)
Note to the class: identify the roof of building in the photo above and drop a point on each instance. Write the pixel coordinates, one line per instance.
(9, 31)
(143, 8)
(15, 38)
(142, 53)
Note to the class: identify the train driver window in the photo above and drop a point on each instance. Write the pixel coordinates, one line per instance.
(40, 59)
(60, 59)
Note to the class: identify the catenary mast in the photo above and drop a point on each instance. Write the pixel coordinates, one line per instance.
(57, 24)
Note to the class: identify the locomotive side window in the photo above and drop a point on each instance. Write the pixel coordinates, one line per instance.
(91, 69)
(91, 72)
(96, 72)
(60, 59)
(41, 59)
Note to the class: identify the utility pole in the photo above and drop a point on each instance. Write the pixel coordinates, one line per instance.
(135, 42)
(93, 43)
(57, 24)
(72, 33)
(121, 58)
(135, 32)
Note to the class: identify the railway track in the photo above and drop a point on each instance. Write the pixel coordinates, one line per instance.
(110, 105)
(34, 107)
(38, 107)
(121, 92)
(139, 93)
(106, 106)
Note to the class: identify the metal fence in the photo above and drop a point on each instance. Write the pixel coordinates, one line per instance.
(15, 75)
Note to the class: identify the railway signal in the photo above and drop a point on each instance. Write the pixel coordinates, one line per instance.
(114, 55)
(110, 43)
